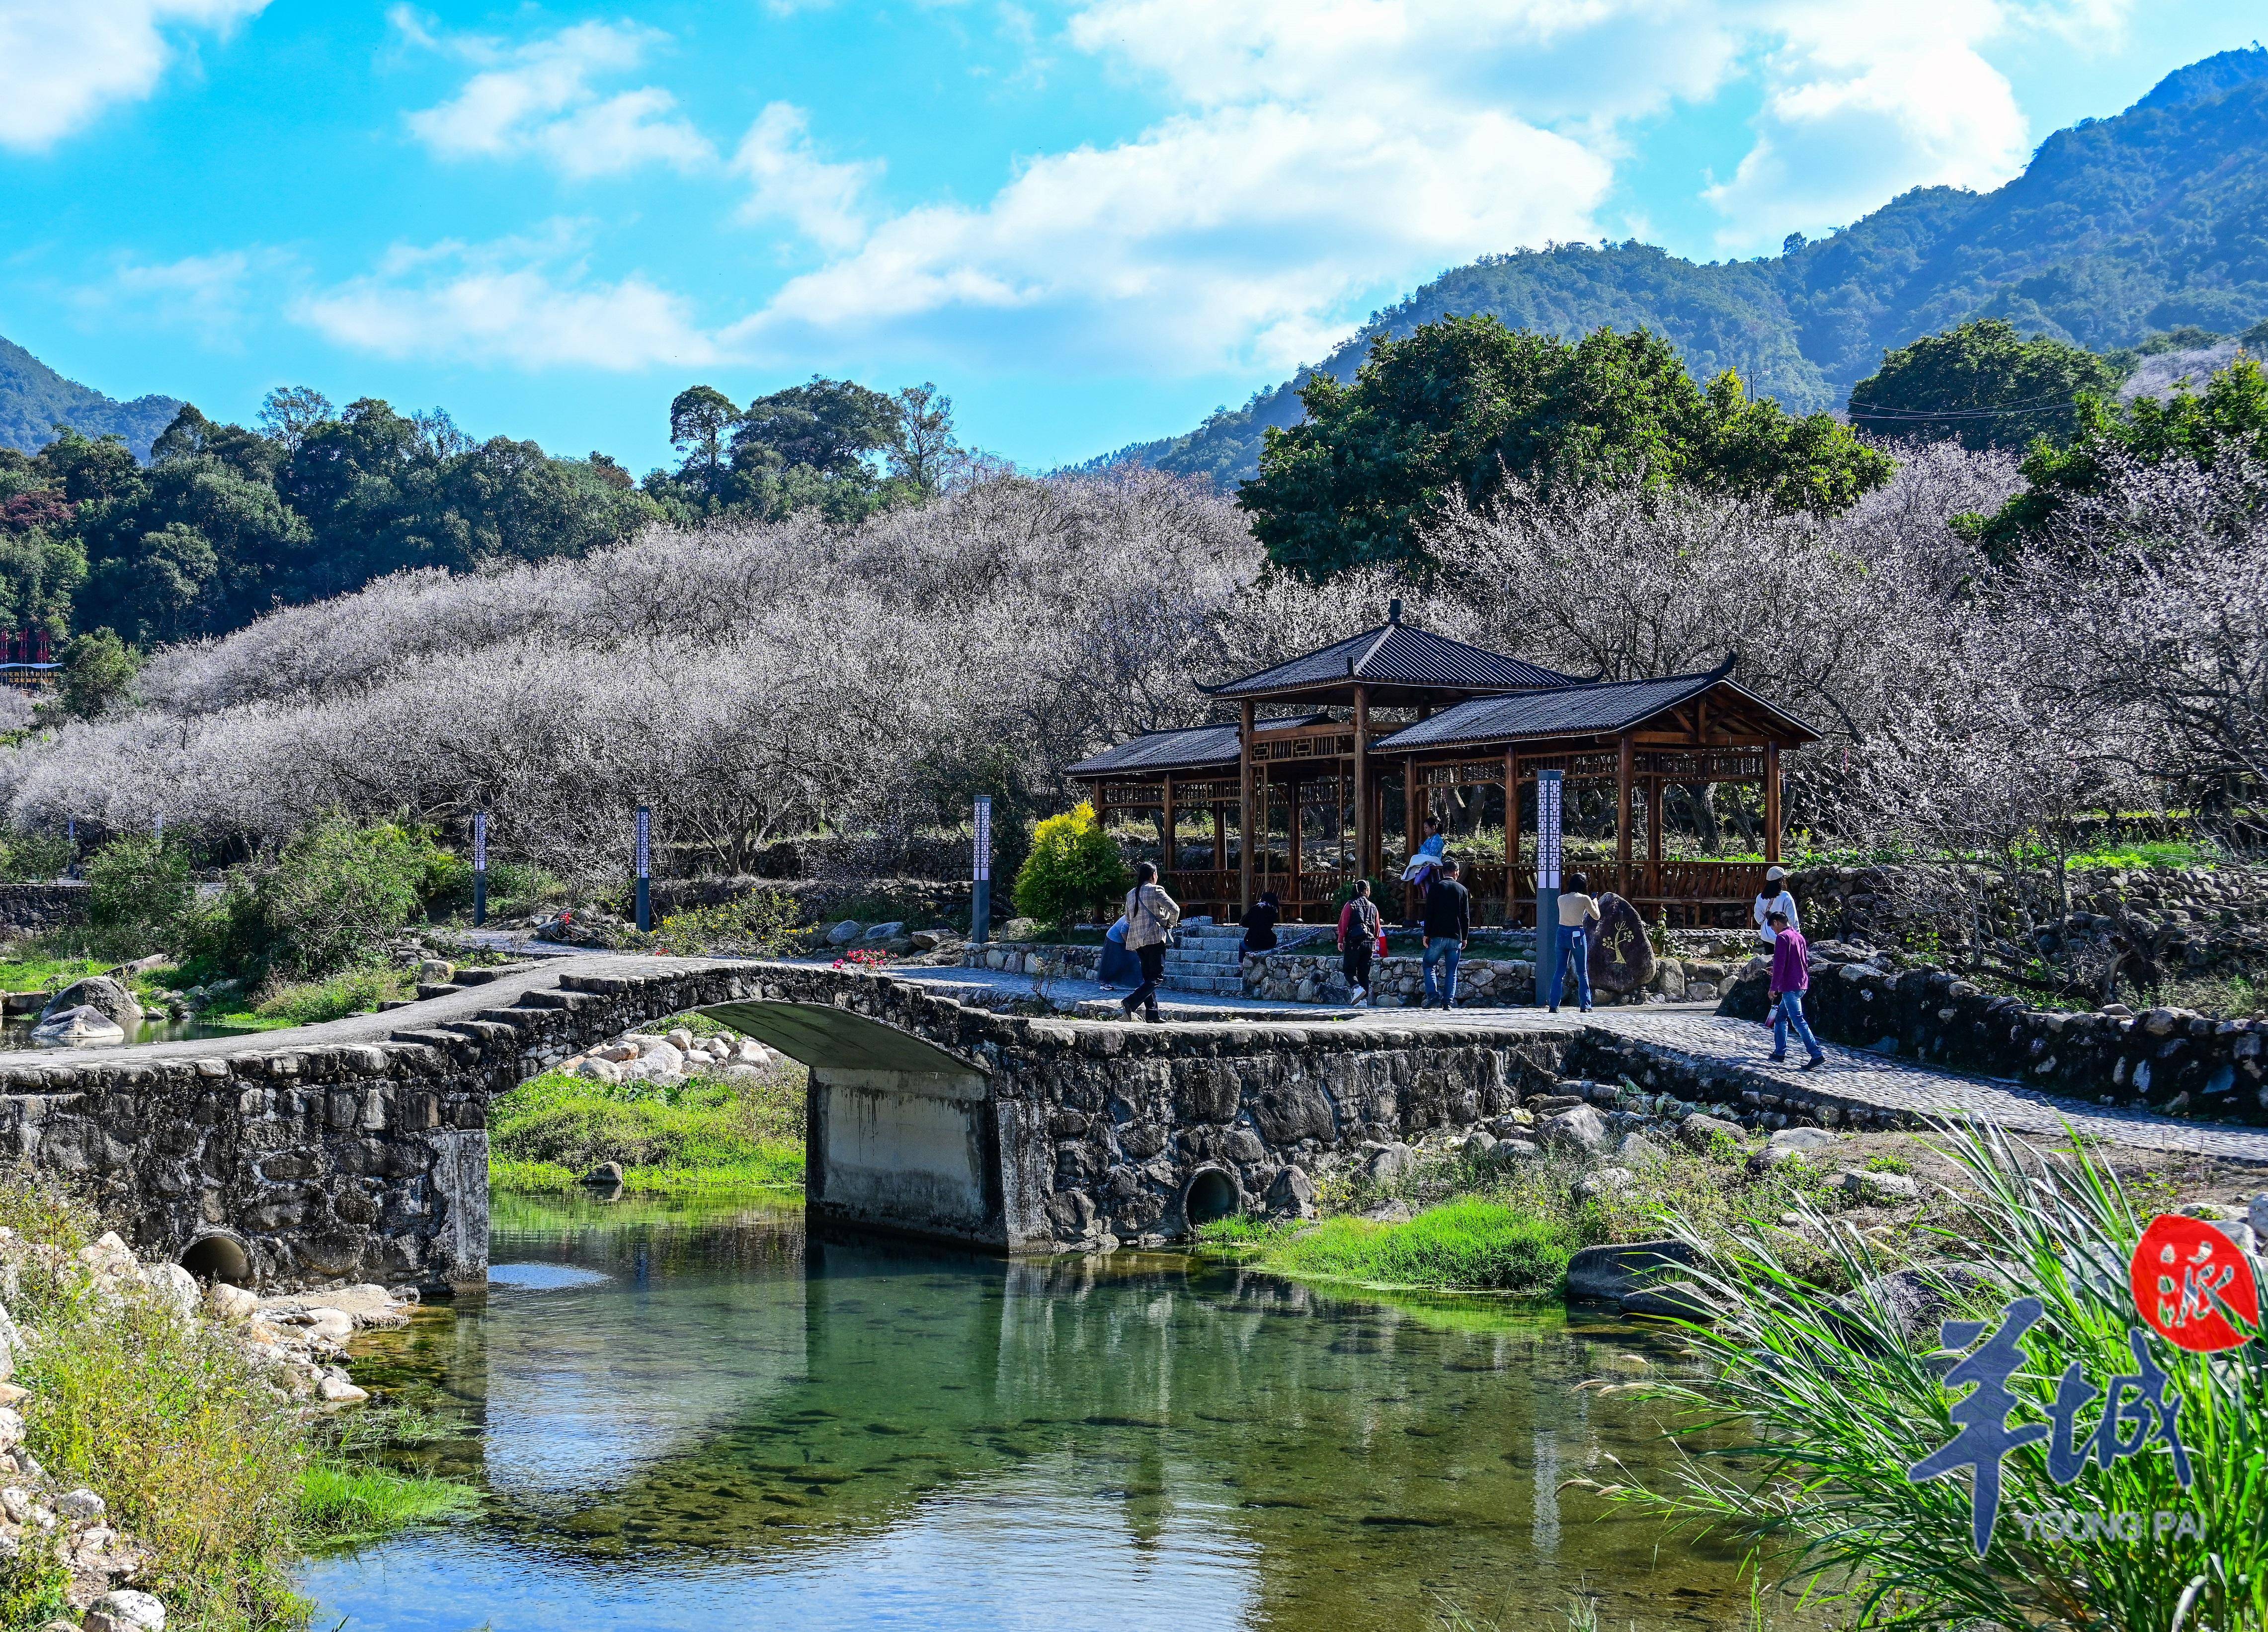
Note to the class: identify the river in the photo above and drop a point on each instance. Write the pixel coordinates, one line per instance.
(692, 1416)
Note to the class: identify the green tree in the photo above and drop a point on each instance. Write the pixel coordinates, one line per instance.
(288, 412)
(700, 416)
(98, 675)
(924, 450)
(1983, 386)
(140, 896)
(831, 425)
(1073, 866)
(328, 901)
(2231, 415)
(1462, 404)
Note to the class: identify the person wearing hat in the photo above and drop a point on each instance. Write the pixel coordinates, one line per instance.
(1775, 899)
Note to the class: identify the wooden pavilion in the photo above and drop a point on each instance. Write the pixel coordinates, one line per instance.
(1446, 722)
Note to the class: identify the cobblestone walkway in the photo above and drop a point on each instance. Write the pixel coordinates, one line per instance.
(1697, 1034)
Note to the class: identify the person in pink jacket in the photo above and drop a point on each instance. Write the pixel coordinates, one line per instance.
(1791, 977)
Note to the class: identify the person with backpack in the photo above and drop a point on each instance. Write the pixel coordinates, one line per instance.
(1259, 924)
(1448, 923)
(1791, 977)
(1151, 915)
(1359, 930)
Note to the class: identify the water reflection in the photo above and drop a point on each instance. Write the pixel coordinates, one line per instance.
(735, 1423)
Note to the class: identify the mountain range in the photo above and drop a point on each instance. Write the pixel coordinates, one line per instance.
(2118, 228)
(35, 399)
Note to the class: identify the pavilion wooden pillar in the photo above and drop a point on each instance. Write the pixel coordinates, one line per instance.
(1244, 812)
(1654, 835)
(1625, 768)
(1366, 824)
(1292, 801)
(1772, 805)
(1511, 838)
(1410, 826)
(1220, 837)
(1171, 862)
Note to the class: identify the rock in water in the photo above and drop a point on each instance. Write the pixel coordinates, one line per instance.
(1622, 959)
(78, 1028)
(98, 992)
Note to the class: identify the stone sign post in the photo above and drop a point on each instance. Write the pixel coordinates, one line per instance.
(480, 867)
(1548, 789)
(644, 869)
(980, 899)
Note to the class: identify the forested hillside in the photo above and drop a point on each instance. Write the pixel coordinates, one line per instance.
(2119, 228)
(35, 399)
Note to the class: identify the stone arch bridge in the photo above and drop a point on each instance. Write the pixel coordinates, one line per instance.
(359, 1150)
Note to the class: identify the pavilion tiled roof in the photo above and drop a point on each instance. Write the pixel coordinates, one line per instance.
(1566, 712)
(1395, 654)
(1194, 747)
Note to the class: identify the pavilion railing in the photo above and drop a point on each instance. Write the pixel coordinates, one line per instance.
(1692, 894)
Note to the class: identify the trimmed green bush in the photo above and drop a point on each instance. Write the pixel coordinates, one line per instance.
(1074, 867)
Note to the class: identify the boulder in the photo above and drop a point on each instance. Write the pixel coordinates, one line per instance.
(1478, 1144)
(1622, 959)
(80, 1504)
(1638, 1149)
(1700, 1131)
(889, 931)
(1293, 1194)
(436, 972)
(1389, 1163)
(1879, 1189)
(172, 1285)
(1669, 979)
(1019, 929)
(1512, 1152)
(126, 1611)
(932, 940)
(231, 1303)
(1917, 1301)
(1603, 1181)
(98, 992)
(846, 932)
(1804, 1139)
(78, 1028)
(606, 1175)
(1581, 1131)
(1610, 1274)
(1774, 1155)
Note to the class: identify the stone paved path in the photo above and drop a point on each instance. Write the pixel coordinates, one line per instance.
(1696, 1032)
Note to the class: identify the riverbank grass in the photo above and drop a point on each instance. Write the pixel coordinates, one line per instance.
(706, 1134)
(1473, 1245)
(199, 1458)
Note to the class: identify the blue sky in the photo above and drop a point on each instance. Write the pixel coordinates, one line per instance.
(1089, 222)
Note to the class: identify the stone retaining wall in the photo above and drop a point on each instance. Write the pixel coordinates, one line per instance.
(39, 908)
(2169, 1061)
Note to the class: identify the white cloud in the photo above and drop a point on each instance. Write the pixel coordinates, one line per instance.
(62, 62)
(529, 304)
(1868, 98)
(212, 295)
(789, 181)
(538, 98)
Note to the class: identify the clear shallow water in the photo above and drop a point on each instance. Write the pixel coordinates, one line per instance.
(725, 1425)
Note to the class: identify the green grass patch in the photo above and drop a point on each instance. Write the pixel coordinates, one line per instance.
(702, 1134)
(1464, 1246)
(45, 975)
(346, 1504)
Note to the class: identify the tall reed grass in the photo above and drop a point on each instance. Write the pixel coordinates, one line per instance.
(1837, 1401)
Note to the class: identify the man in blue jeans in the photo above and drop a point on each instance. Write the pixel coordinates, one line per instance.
(1448, 920)
(1791, 977)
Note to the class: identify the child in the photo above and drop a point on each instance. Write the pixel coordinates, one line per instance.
(1426, 862)
(1791, 977)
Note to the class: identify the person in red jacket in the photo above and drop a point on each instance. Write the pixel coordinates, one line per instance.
(1358, 939)
(1791, 977)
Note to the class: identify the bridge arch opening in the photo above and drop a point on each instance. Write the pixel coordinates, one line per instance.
(218, 1258)
(1213, 1192)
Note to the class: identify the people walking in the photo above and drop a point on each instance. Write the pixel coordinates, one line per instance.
(1151, 915)
(1358, 940)
(1117, 967)
(1259, 924)
(1774, 899)
(1578, 912)
(1448, 923)
(1791, 977)
(1425, 860)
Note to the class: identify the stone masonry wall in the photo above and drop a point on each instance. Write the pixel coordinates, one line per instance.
(2166, 1060)
(38, 909)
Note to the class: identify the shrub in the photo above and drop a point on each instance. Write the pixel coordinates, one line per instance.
(311, 1002)
(140, 896)
(328, 901)
(28, 857)
(572, 1124)
(1074, 866)
(762, 922)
